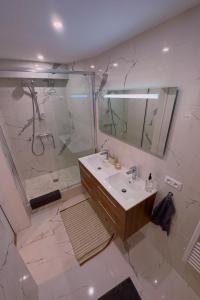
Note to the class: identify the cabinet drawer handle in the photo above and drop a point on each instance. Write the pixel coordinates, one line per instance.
(102, 191)
(107, 212)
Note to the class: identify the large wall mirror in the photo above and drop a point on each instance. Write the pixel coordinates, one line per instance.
(140, 117)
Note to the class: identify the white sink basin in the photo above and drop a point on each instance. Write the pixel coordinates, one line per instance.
(96, 162)
(100, 166)
(125, 186)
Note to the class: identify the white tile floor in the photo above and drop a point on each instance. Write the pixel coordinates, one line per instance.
(60, 179)
(46, 249)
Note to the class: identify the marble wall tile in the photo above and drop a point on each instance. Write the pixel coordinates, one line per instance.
(11, 196)
(16, 282)
(62, 115)
(143, 64)
(47, 232)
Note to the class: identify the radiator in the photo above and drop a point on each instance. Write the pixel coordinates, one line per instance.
(192, 252)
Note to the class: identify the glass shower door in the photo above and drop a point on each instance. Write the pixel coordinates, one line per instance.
(73, 129)
(62, 123)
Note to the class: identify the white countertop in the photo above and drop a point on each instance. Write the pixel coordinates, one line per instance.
(105, 176)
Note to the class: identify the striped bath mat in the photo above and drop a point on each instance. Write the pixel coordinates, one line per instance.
(85, 229)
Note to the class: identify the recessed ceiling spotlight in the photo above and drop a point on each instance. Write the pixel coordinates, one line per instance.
(165, 49)
(58, 25)
(115, 64)
(40, 57)
(92, 67)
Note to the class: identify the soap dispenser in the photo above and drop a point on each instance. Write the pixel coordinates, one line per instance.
(149, 184)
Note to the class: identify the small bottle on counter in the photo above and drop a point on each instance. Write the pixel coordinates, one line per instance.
(149, 186)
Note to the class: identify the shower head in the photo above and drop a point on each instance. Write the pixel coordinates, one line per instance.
(19, 91)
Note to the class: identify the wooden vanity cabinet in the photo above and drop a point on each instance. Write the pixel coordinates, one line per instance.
(125, 222)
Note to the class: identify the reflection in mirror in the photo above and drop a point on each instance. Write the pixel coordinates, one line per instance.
(140, 117)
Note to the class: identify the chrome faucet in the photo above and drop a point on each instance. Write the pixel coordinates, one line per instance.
(134, 171)
(105, 152)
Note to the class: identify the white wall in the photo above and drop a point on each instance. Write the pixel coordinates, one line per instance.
(16, 282)
(10, 198)
(178, 67)
(16, 110)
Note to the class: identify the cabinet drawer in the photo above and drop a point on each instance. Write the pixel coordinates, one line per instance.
(106, 212)
(110, 206)
(108, 218)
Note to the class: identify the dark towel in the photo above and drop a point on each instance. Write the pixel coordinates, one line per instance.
(163, 212)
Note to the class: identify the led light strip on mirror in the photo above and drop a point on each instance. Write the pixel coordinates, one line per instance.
(132, 96)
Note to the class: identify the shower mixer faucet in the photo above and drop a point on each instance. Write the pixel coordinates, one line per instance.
(134, 171)
(47, 136)
(105, 152)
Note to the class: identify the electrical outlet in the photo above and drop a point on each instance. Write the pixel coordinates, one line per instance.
(174, 183)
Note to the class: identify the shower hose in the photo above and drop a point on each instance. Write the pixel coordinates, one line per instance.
(33, 128)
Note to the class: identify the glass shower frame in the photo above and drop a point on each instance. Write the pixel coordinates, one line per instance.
(17, 73)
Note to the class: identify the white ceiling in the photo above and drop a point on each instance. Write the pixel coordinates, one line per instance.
(90, 26)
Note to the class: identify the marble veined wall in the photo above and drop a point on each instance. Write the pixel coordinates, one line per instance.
(60, 118)
(16, 111)
(16, 282)
(142, 63)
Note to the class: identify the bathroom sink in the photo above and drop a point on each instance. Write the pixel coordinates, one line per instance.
(127, 192)
(101, 167)
(98, 163)
(125, 186)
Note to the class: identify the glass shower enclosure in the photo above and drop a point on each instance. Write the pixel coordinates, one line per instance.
(48, 122)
